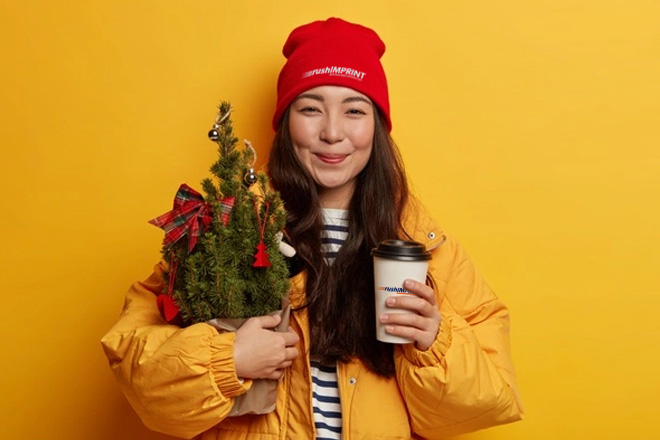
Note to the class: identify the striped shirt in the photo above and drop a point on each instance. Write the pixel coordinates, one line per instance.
(325, 391)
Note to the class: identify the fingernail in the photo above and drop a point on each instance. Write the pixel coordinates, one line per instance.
(384, 318)
(390, 301)
(408, 284)
(389, 328)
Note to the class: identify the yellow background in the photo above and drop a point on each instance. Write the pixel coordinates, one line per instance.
(530, 128)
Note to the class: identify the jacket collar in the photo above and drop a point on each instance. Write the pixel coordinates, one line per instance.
(419, 226)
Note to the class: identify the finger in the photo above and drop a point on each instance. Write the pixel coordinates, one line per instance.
(412, 303)
(423, 340)
(268, 321)
(411, 333)
(275, 375)
(290, 338)
(406, 320)
(291, 353)
(421, 290)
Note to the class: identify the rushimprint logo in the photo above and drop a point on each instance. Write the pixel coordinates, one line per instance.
(399, 290)
(346, 72)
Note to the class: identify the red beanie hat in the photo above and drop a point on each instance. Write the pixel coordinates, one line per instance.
(332, 52)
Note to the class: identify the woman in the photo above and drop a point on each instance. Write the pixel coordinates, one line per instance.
(344, 188)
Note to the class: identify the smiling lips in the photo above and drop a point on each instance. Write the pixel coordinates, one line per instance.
(332, 158)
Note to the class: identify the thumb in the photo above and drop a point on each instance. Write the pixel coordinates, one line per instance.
(269, 321)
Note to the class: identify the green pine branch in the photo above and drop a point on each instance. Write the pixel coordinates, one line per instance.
(217, 279)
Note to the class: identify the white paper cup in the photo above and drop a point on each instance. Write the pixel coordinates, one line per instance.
(394, 262)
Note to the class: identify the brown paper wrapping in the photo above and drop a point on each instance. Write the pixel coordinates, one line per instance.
(262, 395)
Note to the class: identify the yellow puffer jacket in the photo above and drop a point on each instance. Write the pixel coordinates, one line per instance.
(182, 381)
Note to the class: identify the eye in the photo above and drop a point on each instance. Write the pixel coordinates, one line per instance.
(309, 109)
(356, 111)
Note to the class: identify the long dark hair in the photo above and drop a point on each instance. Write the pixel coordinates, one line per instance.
(340, 296)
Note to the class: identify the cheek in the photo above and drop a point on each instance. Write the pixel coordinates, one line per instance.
(363, 143)
(300, 139)
(301, 153)
(300, 130)
(363, 137)
(365, 155)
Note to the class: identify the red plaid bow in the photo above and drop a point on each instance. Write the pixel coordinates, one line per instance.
(189, 209)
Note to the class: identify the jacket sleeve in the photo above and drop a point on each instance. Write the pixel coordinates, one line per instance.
(180, 381)
(465, 381)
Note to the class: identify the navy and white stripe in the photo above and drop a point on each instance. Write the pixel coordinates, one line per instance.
(325, 401)
(325, 391)
(335, 231)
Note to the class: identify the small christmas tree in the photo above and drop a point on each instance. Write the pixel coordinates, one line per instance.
(229, 266)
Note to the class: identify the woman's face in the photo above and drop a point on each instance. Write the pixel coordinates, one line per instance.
(332, 131)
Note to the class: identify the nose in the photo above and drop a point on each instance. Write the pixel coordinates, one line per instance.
(332, 131)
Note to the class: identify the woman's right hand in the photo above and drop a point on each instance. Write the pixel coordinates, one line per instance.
(260, 352)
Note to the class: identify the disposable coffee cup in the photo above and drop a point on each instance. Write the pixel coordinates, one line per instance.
(394, 262)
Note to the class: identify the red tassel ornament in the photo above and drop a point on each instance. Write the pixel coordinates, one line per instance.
(261, 257)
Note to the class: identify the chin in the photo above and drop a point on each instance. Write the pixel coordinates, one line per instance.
(330, 185)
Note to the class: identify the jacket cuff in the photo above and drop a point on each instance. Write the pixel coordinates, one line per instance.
(436, 352)
(223, 367)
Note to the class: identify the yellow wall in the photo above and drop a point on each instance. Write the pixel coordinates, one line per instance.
(530, 128)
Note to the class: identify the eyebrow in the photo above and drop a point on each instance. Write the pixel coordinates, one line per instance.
(320, 98)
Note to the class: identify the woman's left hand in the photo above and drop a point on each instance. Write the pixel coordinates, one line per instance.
(422, 325)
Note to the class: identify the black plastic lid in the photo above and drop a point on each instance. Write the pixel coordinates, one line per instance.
(401, 250)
